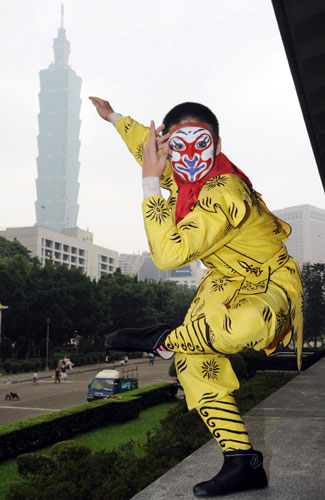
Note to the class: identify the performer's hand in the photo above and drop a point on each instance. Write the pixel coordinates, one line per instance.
(104, 109)
(153, 163)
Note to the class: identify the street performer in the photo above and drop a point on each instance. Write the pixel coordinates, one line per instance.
(251, 293)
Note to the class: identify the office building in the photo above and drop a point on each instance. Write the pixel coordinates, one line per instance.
(73, 249)
(58, 140)
(307, 240)
(142, 266)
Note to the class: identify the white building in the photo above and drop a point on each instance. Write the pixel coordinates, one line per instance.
(307, 240)
(73, 248)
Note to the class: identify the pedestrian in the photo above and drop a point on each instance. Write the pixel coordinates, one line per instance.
(251, 293)
(35, 377)
(57, 375)
(64, 374)
(151, 357)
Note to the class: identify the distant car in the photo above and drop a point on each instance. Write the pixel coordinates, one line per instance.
(110, 382)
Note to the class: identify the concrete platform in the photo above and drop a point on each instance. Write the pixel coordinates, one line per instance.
(288, 427)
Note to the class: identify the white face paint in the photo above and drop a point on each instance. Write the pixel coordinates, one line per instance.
(191, 151)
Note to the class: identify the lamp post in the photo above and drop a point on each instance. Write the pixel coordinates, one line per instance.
(1, 309)
(48, 321)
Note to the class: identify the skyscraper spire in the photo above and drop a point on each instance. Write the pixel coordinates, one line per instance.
(61, 45)
(62, 16)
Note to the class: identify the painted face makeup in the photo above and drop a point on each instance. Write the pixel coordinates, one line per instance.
(191, 151)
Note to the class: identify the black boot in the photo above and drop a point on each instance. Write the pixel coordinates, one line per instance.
(242, 470)
(137, 339)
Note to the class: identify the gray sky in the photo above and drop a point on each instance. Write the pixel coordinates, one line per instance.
(145, 57)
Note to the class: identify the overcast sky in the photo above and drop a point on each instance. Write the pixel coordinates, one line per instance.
(145, 57)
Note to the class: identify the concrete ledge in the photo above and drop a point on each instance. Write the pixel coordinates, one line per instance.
(288, 427)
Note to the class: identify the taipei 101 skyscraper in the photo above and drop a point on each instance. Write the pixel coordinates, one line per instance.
(58, 140)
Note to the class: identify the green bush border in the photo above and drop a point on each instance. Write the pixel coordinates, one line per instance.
(37, 432)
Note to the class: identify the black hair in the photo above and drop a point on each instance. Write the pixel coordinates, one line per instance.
(188, 111)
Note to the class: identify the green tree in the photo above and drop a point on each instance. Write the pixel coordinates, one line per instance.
(313, 276)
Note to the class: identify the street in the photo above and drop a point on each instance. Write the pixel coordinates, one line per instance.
(46, 396)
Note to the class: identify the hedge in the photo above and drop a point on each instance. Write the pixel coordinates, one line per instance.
(35, 433)
(288, 361)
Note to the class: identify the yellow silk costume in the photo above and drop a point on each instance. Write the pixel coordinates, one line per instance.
(251, 294)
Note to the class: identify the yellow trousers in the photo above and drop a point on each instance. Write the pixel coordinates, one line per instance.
(206, 374)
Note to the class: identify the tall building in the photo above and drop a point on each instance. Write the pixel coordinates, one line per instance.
(58, 140)
(307, 240)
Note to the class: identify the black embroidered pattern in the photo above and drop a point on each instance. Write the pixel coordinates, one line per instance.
(210, 369)
(166, 183)
(127, 127)
(249, 286)
(227, 323)
(239, 303)
(175, 237)
(198, 306)
(189, 225)
(157, 210)
(267, 314)
(209, 397)
(277, 228)
(281, 317)
(192, 256)
(218, 285)
(249, 268)
(207, 205)
(233, 211)
(171, 201)
(251, 344)
(218, 181)
(181, 365)
(139, 152)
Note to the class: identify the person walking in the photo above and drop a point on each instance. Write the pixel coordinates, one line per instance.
(57, 375)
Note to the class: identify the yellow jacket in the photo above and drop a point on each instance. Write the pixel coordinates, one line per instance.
(229, 229)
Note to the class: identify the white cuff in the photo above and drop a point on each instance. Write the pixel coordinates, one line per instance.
(151, 187)
(113, 117)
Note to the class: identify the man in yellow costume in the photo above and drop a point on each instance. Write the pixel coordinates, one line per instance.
(251, 293)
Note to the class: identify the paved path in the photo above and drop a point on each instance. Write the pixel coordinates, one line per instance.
(46, 396)
(28, 377)
(288, 427)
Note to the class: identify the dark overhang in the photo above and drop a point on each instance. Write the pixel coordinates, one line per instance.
(302, 27)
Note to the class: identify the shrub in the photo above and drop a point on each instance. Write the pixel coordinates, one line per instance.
(69, 450)
(7, 366)
(30, 464)
(172, 369)
(238, 365)
(27, 366)
(15, 367)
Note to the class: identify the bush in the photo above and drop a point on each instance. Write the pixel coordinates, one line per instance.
(172, 369)
(69, 450)
(28, 366)
(238, 365)
(34, 464)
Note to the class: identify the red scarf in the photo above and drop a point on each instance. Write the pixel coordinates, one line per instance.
(188, 192)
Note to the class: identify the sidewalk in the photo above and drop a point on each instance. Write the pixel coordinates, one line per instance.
(28, 377)
(288, 427)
